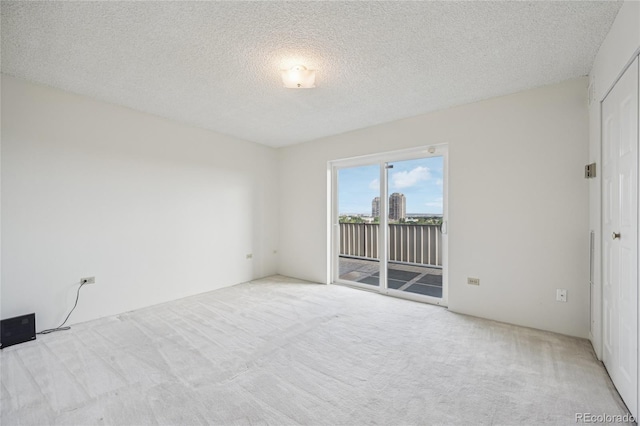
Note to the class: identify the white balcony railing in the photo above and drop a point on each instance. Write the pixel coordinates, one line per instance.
(418, 244)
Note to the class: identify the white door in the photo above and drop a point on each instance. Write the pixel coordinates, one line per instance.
(620, 235)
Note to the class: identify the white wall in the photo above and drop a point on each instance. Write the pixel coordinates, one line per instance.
(154, 209)
(518, 202)
(619, 48)
(157, 210)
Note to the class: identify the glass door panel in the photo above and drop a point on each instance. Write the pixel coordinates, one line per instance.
(358, 225)
(415, 216)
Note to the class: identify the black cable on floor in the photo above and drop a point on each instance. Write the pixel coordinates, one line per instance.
(60, 327)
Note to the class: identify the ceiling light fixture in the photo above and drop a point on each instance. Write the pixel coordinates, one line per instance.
(299, 77)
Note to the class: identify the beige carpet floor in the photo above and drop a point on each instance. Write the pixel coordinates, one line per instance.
(280, 351)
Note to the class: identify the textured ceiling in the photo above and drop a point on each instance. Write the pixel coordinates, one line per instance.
(216, 64)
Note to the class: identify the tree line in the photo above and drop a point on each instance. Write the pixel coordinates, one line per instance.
(429, 220)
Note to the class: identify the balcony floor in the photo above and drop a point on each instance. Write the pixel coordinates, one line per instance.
(410, 278)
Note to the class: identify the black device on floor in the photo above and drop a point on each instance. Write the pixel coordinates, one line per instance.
(17, 330)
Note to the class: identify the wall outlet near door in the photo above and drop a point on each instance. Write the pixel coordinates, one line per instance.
(473, 281)
(88, 280)
(250, 256)
(561, 295)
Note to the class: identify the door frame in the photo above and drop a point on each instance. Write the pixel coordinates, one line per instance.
(381, 159)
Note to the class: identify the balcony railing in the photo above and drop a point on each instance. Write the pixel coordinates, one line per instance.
(418, 244)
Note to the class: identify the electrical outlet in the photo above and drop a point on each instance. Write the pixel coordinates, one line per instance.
(250, 256)
(473, 281)
(88, 280)
(561, 295)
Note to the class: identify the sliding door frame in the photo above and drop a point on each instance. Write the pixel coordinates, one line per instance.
(382, 159)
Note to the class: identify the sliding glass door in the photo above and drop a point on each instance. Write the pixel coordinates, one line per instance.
(389, 223)
(415, 214)
(358, 225)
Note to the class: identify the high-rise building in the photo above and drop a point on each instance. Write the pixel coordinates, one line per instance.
(397, 206)
(375, 207)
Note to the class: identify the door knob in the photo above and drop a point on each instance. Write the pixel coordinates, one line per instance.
(616, 235)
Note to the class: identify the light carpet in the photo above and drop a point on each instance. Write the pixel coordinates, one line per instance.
(281, 351)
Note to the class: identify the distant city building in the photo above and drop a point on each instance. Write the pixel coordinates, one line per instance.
(397, 206)
(375, 207)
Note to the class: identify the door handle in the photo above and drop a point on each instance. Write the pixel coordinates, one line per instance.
(615, 235)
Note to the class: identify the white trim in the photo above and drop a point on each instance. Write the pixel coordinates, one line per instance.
(445, 222)
(416, 297)
(598, 346)
(360, 286)
(383, 230)
(390, 156)
(332, 223)
(619, 76)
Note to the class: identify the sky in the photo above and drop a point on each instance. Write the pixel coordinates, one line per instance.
(419, 180)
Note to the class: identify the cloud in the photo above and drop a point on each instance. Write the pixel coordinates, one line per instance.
(401, 180)
(439, 182)
(437, 203)
(375, 185)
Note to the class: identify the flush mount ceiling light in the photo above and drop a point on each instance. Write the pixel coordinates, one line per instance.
(299, 77)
